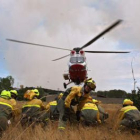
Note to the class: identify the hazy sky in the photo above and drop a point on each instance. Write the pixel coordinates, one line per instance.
(69, 24)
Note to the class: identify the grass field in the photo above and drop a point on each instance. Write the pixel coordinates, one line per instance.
(104, 131)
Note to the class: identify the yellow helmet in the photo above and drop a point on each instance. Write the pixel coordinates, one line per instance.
(127, 102)
(14, 92)
(6, 94)
(36, 91)
(60, 95)
(91, 83)
(29, 94)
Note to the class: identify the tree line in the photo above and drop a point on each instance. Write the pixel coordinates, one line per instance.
(7, 83)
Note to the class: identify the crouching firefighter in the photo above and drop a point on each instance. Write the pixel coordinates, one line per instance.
(90, 115)
(7, 108)
(129, 115)
(52, 110)
(73, 96)
(33, 112)
(103, 115)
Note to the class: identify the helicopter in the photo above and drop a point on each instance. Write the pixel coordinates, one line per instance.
(77, 67)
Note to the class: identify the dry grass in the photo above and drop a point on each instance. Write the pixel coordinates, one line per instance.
(101, 132)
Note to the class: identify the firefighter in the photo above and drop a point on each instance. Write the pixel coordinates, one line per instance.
(73, 96)
(14, 94)
(7, 108)
(52, 110)
(129, 115)
(33, 111)
(17, 112)
(103, 115)
(90, 114)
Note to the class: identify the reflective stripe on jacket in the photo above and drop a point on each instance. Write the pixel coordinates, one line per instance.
(31, 106)
(53, 103)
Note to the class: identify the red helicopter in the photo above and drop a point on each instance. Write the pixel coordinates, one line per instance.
(77, 67)
(77, 63)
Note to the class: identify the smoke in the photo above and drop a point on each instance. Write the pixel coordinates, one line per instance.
(70, 24)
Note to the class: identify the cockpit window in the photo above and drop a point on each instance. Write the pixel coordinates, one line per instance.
(77, 59)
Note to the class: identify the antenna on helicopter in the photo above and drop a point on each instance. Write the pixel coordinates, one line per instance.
(133, 91)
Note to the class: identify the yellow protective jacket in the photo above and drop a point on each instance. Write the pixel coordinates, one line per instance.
(7, 106)
(11, 102)
(126, 110)
(76, 95)
(34, 103)
(53, 103)
(92, 106)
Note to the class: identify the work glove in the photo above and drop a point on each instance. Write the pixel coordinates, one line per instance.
(78, 113)
(66, 114)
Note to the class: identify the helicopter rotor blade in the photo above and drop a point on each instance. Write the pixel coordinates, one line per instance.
(17, 41)
(61, 57)
(102, 33)
(105, 52)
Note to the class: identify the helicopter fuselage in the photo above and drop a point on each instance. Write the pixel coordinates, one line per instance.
(77, 67)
